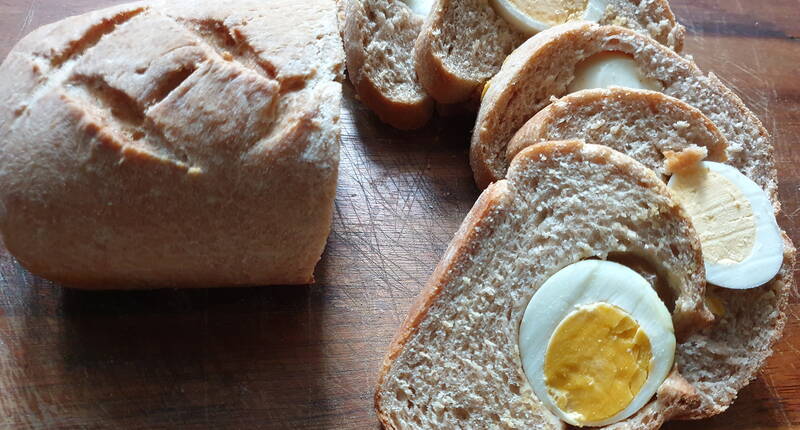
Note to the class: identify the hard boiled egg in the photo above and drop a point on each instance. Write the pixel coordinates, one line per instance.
(735, 221)
(611, 68)
(533, 16)
(596, 342)
(420, 7)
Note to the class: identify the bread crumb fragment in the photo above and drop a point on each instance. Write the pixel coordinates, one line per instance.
(684, 161)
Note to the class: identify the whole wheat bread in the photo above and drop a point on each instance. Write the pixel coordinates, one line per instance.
(538, 70)
(463, 43)
(643, 124)
(455, 362)
(181, 143)
(648, 124)
(378, 40)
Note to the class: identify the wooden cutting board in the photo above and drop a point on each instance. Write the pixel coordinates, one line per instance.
(307, 357)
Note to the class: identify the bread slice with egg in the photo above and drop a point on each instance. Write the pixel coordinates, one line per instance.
(464, 42)
(378, 39)
(456, 361)
(728, 355)
(643, 124)
(538, 70)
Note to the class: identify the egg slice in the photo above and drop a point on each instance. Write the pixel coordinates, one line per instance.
(596, 342)
(611, 68)
(533, 16)
(420, 7)
(735, 221)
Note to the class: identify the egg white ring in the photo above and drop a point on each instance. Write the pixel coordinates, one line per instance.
(595, 9)
(579, 284)
(766, 257)
(420, 7)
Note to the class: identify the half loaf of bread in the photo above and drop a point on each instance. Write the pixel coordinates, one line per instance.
(378, 39)
(175, 143)
(463, 43)
(455, 362)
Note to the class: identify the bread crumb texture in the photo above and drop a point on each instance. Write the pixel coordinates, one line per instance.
(459, 364)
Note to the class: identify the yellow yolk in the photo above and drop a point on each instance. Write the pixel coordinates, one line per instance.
(596, 362)
(721, 214)
(551, 12)
(608, 68)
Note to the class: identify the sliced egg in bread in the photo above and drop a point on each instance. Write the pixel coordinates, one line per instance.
(596, 342)
(533, 16)
(611, 68)
(419, 7)
(735, 221)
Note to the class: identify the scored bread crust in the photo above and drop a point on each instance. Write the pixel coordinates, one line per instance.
(488, 215)
(378, 40)
(641, 123)
(173, 144)
(538, 71)
(463, 42)
(727, 356)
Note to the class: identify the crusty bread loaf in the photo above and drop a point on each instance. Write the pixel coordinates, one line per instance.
(642, 124)
(455, 362)
(378, 39)
(539, 70)
(464, 42)
(181, 143)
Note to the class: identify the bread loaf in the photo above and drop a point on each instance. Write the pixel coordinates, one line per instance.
(463, 43)
(181, 143)
(455, 362)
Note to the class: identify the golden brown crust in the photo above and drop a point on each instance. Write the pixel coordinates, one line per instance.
(461, 245)
(170, 159)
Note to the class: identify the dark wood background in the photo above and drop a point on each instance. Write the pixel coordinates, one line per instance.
(307, 357)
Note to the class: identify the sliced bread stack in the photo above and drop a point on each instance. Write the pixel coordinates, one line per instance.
(548, 204)
(399, 66)
(464, 42)
(539, 70)
(455, 362)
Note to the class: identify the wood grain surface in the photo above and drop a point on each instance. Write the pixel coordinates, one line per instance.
(307, 357)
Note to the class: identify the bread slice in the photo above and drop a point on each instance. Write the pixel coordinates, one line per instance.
(640, 123)
(455, 362)
(539, 70)
(175, 143)
(463, 43)
(378, 39)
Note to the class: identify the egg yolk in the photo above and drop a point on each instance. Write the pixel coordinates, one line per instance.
(721, 214)
(596, 362)
(551, 12)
